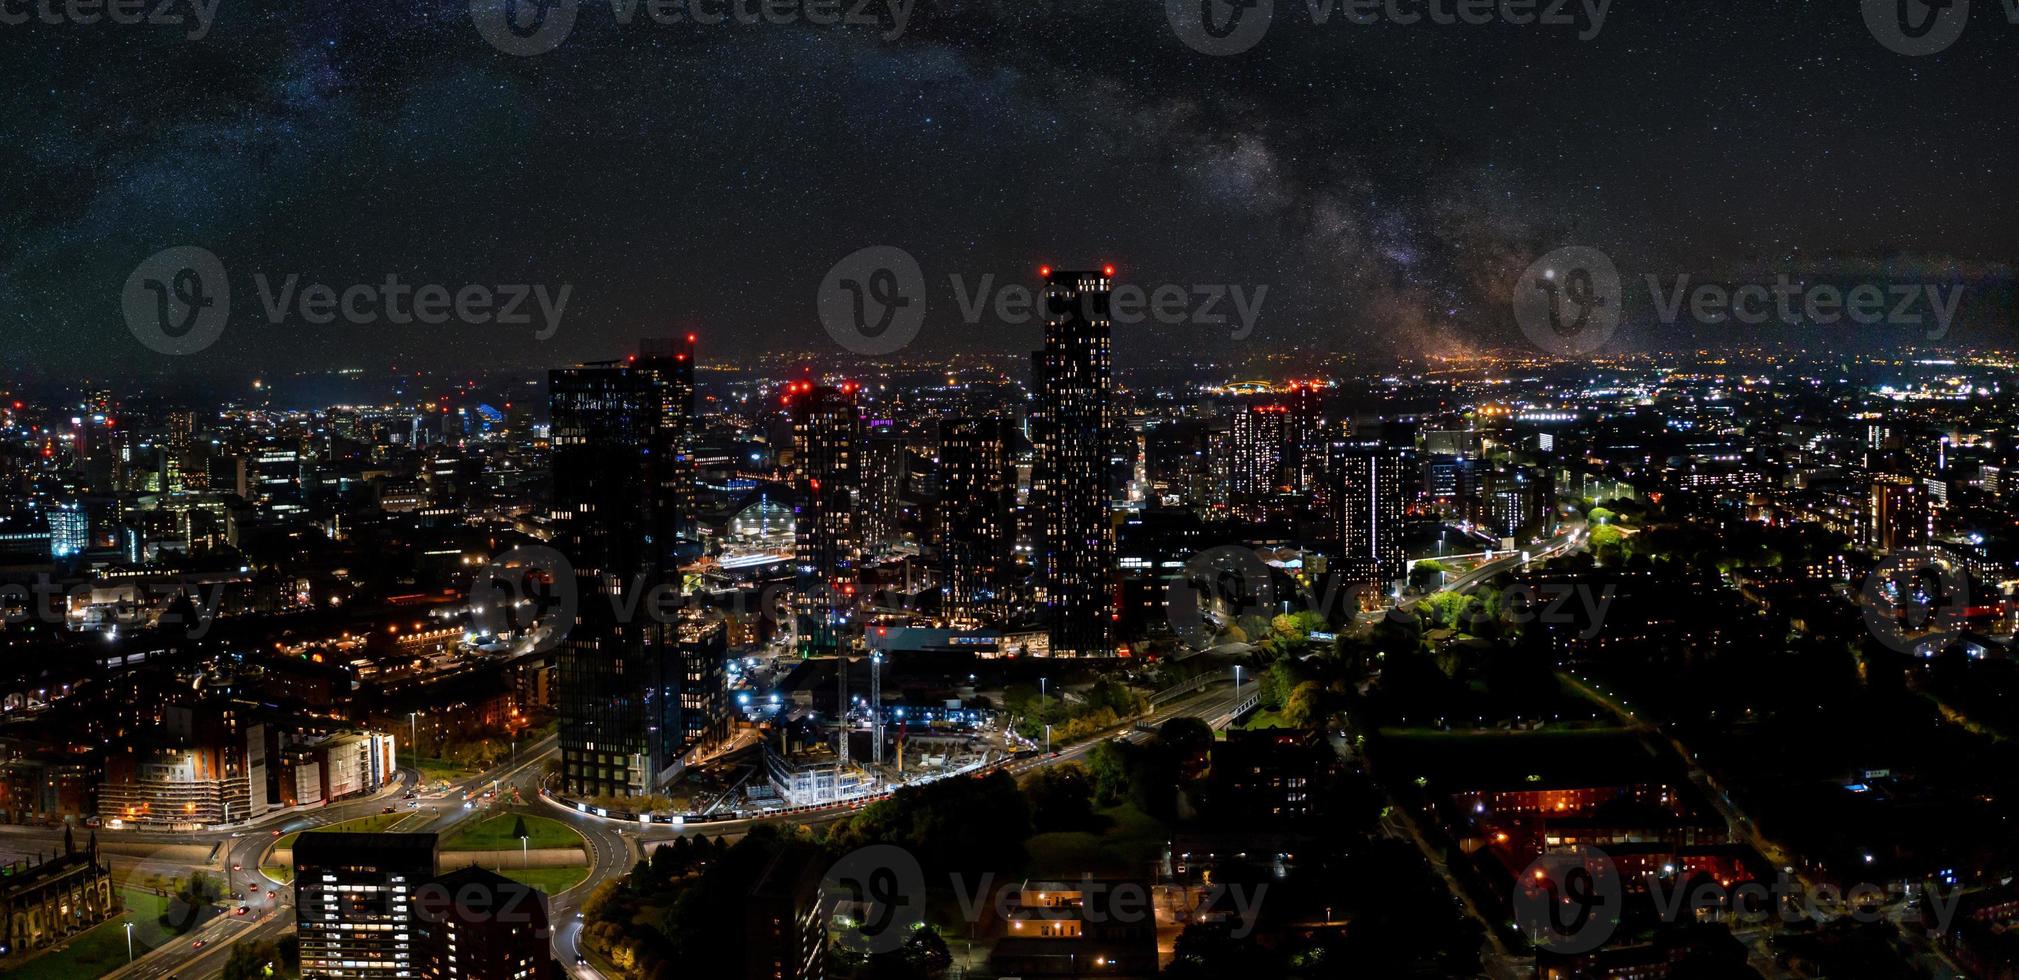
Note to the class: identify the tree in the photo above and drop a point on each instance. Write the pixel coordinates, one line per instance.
(1060, 798)
(1302, 709)
(1427, 573)
(250, 959)
(1186, 737)
(1609, 543)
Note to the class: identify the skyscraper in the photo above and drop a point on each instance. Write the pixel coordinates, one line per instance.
(1304, 442)
(354, 898)
(1368, 505)
(618, 498)
(1072, 430)
(880, 508)
(976, 521)
(826, 450)
(1257, 442)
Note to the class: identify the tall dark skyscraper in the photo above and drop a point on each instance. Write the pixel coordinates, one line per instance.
(976, 521)
(354, 898)
(1368, 504)
(826, 453)
(620, 486)
(1073, 431)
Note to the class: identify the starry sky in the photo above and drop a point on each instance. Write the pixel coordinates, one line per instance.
(1388, 183)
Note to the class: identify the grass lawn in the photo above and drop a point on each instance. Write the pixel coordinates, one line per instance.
(362, 825)
(103, 949)
(553, 881)
(1131, 840)
(1264, 719)
(495, 834)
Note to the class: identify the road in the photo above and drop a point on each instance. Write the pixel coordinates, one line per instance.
(271, 902)
(613, 847)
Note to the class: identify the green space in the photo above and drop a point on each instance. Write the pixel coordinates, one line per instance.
(553, 881)
(497, 834)
(362, 825)
(1130, 840)
(1264, 719)
(103, 949)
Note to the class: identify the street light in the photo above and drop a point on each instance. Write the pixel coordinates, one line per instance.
(1048, 739)
(414, 732)
(525, 855)
(129, 944)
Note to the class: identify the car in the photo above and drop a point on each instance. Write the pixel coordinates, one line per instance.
(236, 866)
(239, 911)
(196, 945)
(580, 959)
(276, 833)
(389, 809)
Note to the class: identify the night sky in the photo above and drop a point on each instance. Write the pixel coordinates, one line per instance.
(1388, 183)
